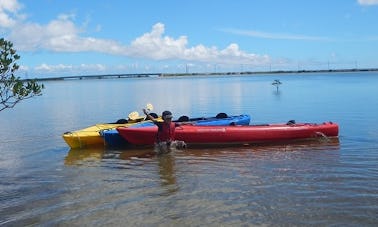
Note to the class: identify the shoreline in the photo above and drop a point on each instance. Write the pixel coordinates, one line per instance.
(144, 75)
(273, 72)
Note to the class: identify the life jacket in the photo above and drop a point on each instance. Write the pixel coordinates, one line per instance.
(166, 132)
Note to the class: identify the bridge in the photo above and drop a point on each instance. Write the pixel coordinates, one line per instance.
(138, 75)
(106, 76)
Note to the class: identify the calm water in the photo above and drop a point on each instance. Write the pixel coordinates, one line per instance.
(326, 182)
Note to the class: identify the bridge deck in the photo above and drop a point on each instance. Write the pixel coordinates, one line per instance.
(108, 76)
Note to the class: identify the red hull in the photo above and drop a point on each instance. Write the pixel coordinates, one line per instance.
(192, 134)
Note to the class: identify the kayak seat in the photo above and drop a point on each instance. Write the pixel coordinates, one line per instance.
(197, 119)
(121, 121)
(291, 122)
(221, 115)
(183, 119)
(154, 115)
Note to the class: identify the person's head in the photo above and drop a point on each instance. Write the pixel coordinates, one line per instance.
(166, 115)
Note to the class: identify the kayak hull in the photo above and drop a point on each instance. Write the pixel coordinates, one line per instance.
(113, 139)
(192, 134)
(91, 136)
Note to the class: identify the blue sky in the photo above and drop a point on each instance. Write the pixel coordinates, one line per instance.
(59, 38)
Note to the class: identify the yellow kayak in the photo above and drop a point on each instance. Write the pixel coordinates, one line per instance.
(91, 137)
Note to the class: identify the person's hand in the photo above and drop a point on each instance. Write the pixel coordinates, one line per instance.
(145, 111)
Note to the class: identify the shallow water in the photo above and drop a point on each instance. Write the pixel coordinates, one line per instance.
(324, 182)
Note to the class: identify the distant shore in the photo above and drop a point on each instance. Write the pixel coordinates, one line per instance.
(274, 72)
(139, 75)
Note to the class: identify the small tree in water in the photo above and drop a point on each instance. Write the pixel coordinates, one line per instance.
(276, 83)
(12, 88)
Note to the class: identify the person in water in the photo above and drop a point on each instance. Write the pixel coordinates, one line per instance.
(165, 139)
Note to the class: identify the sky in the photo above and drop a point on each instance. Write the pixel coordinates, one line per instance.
(95, 37)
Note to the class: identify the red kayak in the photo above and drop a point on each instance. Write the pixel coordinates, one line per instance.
(192, 134)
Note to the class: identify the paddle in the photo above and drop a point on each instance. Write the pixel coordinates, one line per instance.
(135, 115)
(149, 107)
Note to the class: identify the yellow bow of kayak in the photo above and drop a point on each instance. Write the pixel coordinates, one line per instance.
(91, 136)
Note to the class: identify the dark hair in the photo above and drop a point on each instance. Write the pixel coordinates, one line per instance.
(166, 114)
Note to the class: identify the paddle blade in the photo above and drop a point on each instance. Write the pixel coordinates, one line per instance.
(133, 115)
(149, 107)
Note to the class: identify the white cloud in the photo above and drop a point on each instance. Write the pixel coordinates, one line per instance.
(153, 45)
(8, 12)
(156, 46)
(50, 68)
(368, 2)
(267, 35)
(63, 69)
(63, 35)
(59, 35)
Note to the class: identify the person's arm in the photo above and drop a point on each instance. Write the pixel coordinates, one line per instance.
(148, 115)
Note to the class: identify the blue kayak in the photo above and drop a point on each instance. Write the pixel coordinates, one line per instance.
(113, 139)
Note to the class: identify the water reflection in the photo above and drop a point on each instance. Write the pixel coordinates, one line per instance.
(167, 169)
(166, 163)
(129, 154)
(80, 156)
(130, 157)
(321, 144)
(204, 181)
(277, 93)
(90, 154)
